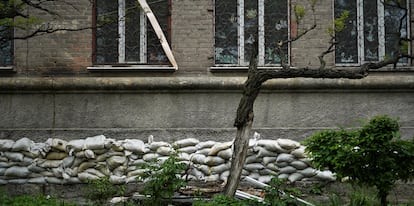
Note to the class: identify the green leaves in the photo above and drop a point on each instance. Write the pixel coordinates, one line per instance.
(371, 155)
(339, 24)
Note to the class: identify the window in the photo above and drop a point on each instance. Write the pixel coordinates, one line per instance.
(6, 46)
(238, 22)
(371, 31)
(124, 35)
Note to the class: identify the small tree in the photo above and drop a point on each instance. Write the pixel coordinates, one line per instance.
(373, 155)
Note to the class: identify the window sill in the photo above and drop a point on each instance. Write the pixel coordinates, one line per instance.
(6, 68)
(131, 68)
(239, 68)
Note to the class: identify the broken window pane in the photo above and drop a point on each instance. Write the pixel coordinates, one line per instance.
(347, 47)
(226, 36)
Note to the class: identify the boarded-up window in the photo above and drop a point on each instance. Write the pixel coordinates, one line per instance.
(124, 35)
(239, 22)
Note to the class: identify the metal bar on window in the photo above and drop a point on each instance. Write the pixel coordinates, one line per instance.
(360, 29)
(261, 38)
(241, 31)
(121, 31)
(381, 30)
(143, 37)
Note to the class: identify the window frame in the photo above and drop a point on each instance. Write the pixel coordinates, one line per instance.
(122, 64)
(381, 33)
(242, 63)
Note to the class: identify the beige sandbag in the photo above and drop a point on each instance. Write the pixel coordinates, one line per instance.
(16, 171)
(22, 145)
(207, 144)
(49, 163)
(164, 151)
(115, 161)
(155, 145)
(271, 145)
(137, 172)
(299, 152)
(137, 162)
(119, 171)
(6, 145)
(57, 144)
(94, 143)
(56, 155)
(135, 145)
(214, 161)
(85, 165)
(288, 144)
(219, 147)
(186, 142)
(299, 165)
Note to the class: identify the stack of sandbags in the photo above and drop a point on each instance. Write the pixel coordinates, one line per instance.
(64, 162)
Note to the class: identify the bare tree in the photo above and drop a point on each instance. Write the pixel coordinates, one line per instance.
(256, 77)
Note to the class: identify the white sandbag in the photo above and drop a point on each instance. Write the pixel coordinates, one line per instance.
(38, 149)
(57, 172)
(207, 144)
(16, 171)
(189, 149)
(137, 172)
(283, 176)
(115, 146)
(22, 145)
(253, 167)
(103, 157)
(71, 172)
(93, 143)
(14, 156)
(186, 142)
(135, 145)
(219, 147)
(203, 151)
(263, 152)
(18, 181)
(265, 179)
(37, 180)
(164, 151)
(308, 172)
(131, 179)
(7, 164)
(89, 154)
(94, 172)
(288, 144)
(72, 180)
(155, 145)
(3, 158)
(118, 200)
(225, 154)
(2, 171)
(299, 165)
(271, 145)
(115, 161)
(203, 168)
(162, 159)
(6, 145)
(46, 174)
(325, 175)
(220, 168)
(75, 145)
(34, 168)
(267, 160)
(214, 161)
(254, 175)
(199, 175)
(150, 157)
(56, 155)
(3, 182)
(183, 156)
(273, 167)
(68, 161)
(198, 158)
(282, 164)
(295, 177)
(252, 159)
(119, 171)
(57, 144)
(245, 172)
(117, 179)
(299, 152)
(287, 170)
(306, 160)
(224, 176)
(137, 162)
(267, 171)
(285, 158)
(85, 177)
(212, 178)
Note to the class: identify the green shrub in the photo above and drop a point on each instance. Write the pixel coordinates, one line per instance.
(28, 200)
(373, 155)
(100, 190)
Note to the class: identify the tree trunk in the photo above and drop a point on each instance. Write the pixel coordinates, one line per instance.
(241, 144)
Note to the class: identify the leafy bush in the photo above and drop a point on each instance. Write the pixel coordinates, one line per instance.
(27, 200)
(100, 190)
(373, 155)
(162, 180)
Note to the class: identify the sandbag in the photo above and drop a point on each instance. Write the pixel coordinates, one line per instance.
(38, 149)
(49, 163)
(325, 175)
(308, 172)
(224, 176)
(203, 151)
(254, 175)
(75, 145)
(288, 144)
(16, 171)
(219, 147)
(299, 152)
(183, 156)
(225, 154)
(285, 158)
(267, 171)
(198, 158)
(137, 172)
(94, 172)
(263, 152)
(6, 145)
(85, 177)
(203, 168)
(115, 161)
(37, 180)
(220, 168)
(2, 171)
(207, 144)
(57, 172)
(18, 181)
(117, 179)
(272, 167)
(214, 161)
(68, 161)
(212, 178)
(186, 142)
(155, 145)
(93, 143)
(299, 165)
(295, 177)
(56, 155)
(57, 144)
(189, 149)
(7, 164)
(267, 160)
(54, 180)
(14, 156)
(287, 170)
(197, 173)
(89, 154)
(253, 167)
(3, 182)
(271, 145)
(150, 157)
(134, 145)
(85, 165)
(165, 151)
(22, 145)
(34, 168)
(283, 176)
(252, 159)
(265, 179)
